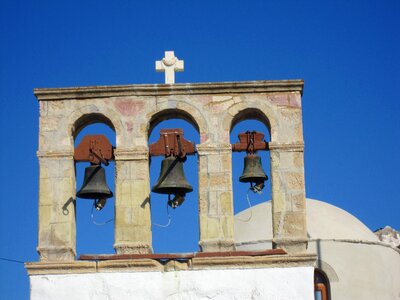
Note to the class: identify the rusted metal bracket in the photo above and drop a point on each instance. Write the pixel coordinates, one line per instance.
(172, 143)
(95, 149)
(251, 142)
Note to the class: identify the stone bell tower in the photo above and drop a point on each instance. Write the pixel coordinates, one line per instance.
(285, 272)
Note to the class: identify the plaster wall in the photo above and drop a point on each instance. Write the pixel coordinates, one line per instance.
(271, 283)
(358, 270)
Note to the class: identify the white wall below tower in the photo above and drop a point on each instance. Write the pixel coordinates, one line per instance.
(268, 283)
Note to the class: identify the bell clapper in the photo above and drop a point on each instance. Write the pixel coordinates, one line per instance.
(177, 201)
(100, 203)
(257, 187)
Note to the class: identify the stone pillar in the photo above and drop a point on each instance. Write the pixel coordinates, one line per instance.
(132, 201)
(288, 197)
(57, 228)
(215, 197)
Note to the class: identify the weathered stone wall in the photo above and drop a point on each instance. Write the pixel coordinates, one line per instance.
(133, 111)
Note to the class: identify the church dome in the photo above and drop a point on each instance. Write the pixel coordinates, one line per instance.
(348, 253)
(324, 221)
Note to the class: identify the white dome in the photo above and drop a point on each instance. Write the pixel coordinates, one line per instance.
(324, 221)
(350, 255)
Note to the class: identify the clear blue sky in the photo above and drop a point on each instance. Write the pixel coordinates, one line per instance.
(346, 51)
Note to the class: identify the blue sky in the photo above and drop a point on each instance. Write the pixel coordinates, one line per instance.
(346, 51)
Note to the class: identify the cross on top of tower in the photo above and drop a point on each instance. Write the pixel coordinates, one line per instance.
(169, 64)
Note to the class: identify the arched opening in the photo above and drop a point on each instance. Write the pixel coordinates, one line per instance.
(89, 119)
(170, 115)
(251, 114)
(243, 196)
(94, 229)
(321, 285)
(174, 230)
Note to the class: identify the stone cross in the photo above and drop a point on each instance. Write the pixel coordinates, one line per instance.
(169, 64)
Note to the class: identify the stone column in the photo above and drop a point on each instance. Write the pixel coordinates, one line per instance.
(288, 197)
(215, 197)
(132, 201)
(57, 228)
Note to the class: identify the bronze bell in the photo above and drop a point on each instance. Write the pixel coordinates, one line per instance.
(95, 186)
(172, 181)
(253, 172)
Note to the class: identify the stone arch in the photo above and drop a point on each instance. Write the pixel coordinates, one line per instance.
(167, 114)
(88, 115)
(184, 111)
(88, 119)
(327, 270)
(250, 113)
(243, 111)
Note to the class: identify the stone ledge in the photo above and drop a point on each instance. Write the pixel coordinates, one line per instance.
(152, 265)
(262, 86)
(60, 267)
(55, 154)
(246, 262)
(294, 147)
(137, 153)
(128, 265)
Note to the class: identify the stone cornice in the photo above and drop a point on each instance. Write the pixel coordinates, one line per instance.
(294, 147)
(55, 154)
(151, 265)
(245, 262)
(60, 267)
(136, 153)
(264, 86)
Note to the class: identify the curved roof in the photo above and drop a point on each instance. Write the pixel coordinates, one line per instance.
(324, 221)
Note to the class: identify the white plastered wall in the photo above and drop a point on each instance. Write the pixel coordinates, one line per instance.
(268, 283)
